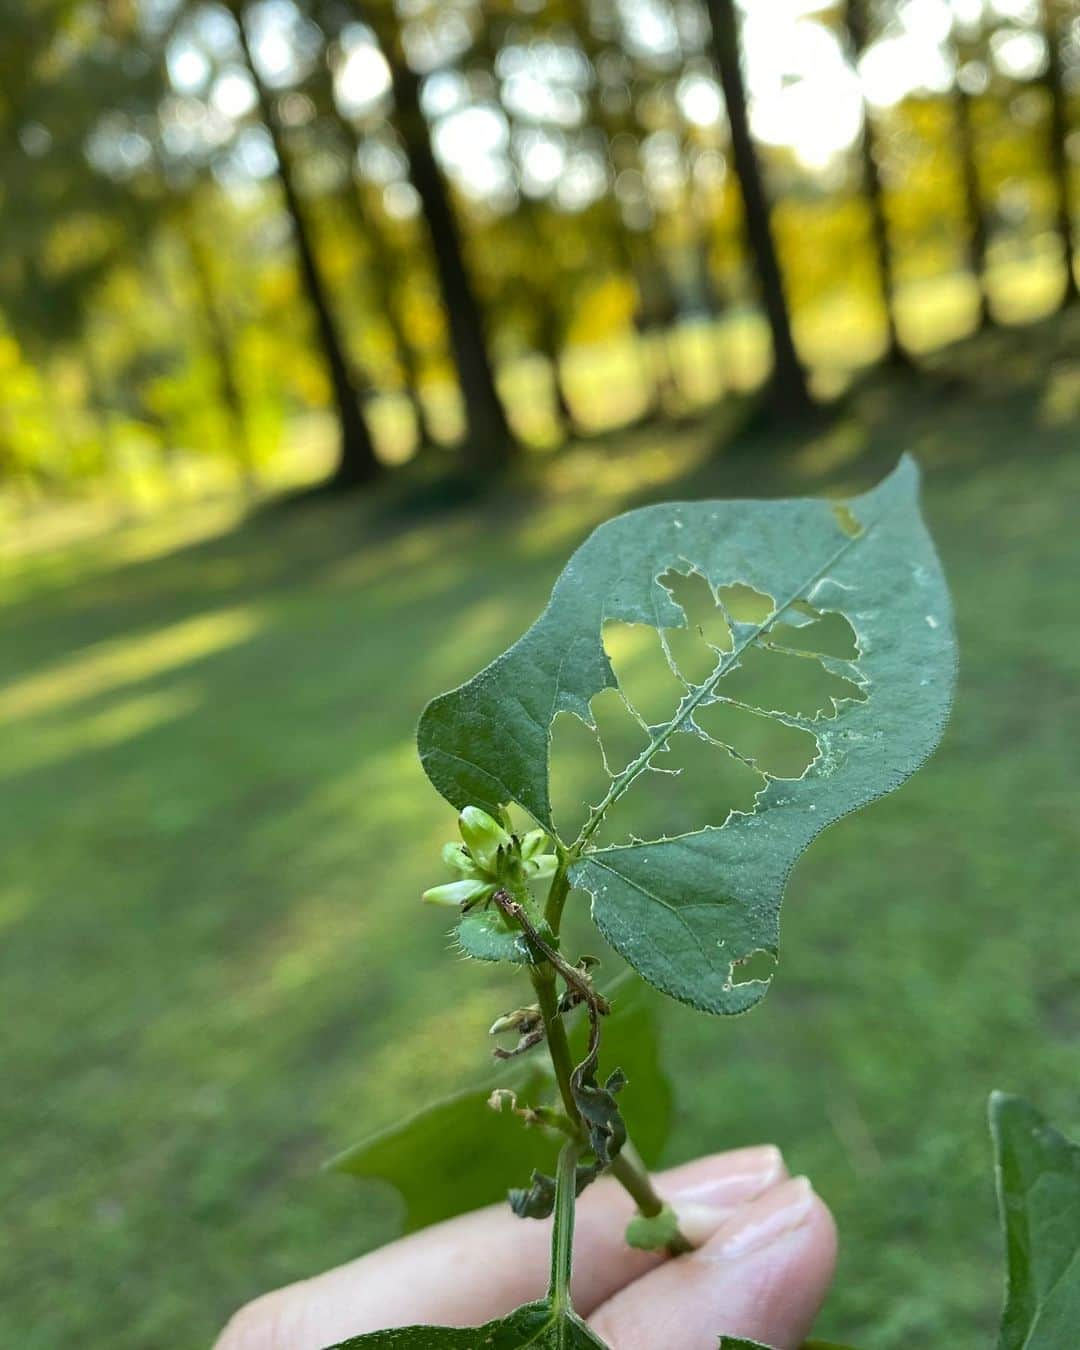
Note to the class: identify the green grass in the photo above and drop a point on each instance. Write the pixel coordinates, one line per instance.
(214, 831)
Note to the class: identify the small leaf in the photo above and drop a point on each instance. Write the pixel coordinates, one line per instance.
(457, 1153)
(485, 937)
(780, 588)
(653, 1235)
(537, 1325)
(1038, 1179)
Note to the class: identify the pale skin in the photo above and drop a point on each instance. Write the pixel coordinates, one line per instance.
(764, 1258)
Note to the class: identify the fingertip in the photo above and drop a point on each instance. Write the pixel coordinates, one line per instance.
(763, 1275)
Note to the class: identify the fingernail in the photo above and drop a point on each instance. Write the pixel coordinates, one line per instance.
(705, 1206)
(765, 1220)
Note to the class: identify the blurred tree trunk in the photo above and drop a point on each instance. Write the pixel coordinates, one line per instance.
(383, 273)
(855, 17)
(967, 153)
(632, 250)
(971, 49)
(385, 268)
(548, 332)
(790, 394)
(357, 462)
(489, 441)
(217, 334)
(1054, 21)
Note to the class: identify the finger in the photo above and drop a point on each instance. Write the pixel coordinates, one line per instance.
(762, 1275)
(483, 1264)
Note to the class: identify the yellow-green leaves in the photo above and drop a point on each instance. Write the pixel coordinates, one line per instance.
(809, 647)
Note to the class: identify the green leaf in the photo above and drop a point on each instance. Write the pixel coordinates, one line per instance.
(735, 1343)
(1038, 1178)
(688, 911)
(485, 937)
(458, 1153)
(537, 1325)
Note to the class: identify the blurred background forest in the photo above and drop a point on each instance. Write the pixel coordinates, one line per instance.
(292, 239)
(327, 329)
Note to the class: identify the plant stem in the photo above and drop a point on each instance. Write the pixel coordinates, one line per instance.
(628, 1169)
(556, 898)
(543, 979)
(562, 1234)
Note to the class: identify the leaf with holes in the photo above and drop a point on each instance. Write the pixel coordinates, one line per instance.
(1038, 1176)
(802, 664)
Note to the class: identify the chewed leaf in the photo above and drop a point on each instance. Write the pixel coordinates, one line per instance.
(779, 663)
(1038, 1174)
(538, 1325)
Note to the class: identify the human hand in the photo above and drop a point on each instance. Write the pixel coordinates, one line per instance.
(767, 1247)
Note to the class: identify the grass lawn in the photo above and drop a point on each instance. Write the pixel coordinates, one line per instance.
(214, 831)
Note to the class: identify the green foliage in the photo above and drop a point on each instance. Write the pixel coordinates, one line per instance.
(1038, 1180)
(459, 1153)
(1038, 1176)
(539, 1325)
(687, 911)
(738, 1343)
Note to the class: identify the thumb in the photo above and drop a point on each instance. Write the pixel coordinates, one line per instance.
(763, 1274)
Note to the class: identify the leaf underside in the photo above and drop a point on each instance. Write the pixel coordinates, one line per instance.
(458, 1153)
(1038, 1178)
(537, 1325)
(688, 909)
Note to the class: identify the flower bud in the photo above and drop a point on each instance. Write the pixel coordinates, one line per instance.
(533, 843)
(456, 856)
(483, 837)
(543, 865)
(464, 892)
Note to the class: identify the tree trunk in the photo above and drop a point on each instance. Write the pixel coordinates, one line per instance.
(357, 462)
(1059, 132)
(548, 334)
(791, 396)
(489, 441)
(383, 269)
(220, 345)
(976, 219)
(875, 196)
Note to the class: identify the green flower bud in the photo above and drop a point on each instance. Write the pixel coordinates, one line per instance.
(483, 837)
(533, 843)
(464, 892)
(456, 856)
(543, 866)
